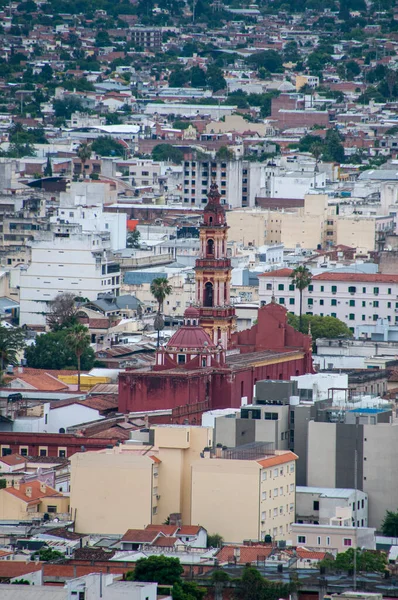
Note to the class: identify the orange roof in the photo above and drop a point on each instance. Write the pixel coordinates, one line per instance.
(13, 459)
(279, 459)
(155, 459)
(189, 530)
(303, 553)
(366, 277)
(36, 494)
(42, 382)
(277, 273)
(140, 536)
(166, 541)
(168, 530)
(243, 554)
(14, 568)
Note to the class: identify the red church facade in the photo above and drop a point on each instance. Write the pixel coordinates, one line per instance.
(272, 349)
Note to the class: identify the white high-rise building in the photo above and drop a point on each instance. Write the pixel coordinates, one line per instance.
(66, 259)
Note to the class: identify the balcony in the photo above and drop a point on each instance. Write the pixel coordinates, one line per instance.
(213, 263)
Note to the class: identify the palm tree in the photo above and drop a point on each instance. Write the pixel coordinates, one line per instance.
(160, 289)
(301, 278)
(11, 342)
(84, 153)
(78, 340)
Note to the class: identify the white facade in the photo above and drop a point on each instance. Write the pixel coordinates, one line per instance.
(66, 260)
(109, 587)
(320, 504)
(69, 416)
(355, 299)
(93, 219)
(295, 184)
(317, 386)
(198, 175)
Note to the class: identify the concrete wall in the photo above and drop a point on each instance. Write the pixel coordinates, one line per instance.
(321, 459)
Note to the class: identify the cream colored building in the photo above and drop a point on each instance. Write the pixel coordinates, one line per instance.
(240, 125)
(24, 501)
(182, 294)
(136, 484)
(309, 226)
(245, 499)
(333, 538)
(358, 232)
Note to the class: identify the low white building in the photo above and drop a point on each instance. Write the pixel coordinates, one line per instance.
(318, 505)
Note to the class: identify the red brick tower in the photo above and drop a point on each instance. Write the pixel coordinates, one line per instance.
(213, 273)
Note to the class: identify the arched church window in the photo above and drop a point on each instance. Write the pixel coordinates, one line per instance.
(208, 296)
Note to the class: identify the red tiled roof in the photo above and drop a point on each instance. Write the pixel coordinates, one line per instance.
(303, 553)
(165, 541)
(189, 530)
(13, 568)
(278, 459)
(277, 273)
(367, 277)
(246, 554)
(42, 382)
(140, 536)
(13, 459)
(36, 494)
(168, 530)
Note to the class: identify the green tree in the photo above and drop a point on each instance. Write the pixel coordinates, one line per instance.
(78, 340)
(253, 586)
(84, 153)
(107, 146)
(47, 554)
(334, 149)
(133, 239)
(367, 560)
(214, 540)
(215, 78)
(268, 59)
(187, 590)
(224, 153)
(64, 108)
(3, 484)
(301, 279)
(198, 77)
(167, 152)
(161, 569)
(160, 289)
(20, 582)
(50, 351)
(62, 312)
(321, 327)
(48, 170)
(12, 341)
(389, 526)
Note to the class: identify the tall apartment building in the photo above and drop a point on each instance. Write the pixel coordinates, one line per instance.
(147, 37)
(239, 181)
(66, 259)
(354, 298)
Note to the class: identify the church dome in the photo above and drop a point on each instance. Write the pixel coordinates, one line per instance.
(191, 313)
(190, 337)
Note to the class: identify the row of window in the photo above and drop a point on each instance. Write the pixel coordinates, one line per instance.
(277, 511)
(302, 539)
(278, 471)
(24, 451)
(351, 289)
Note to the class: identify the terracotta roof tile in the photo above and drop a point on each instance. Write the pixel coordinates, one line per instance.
(278, 459)
(13, 459)
(169, 530)
(277, 273)
(189, 530)
(13, 568)
(366, 277)
(41, 382)
(243, 554)
(303, 553)
(36, 494)
(140, 536)
(166, 541)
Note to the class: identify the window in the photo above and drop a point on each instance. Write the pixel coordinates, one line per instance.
(301, 539)
(51, 509)
(281, 471)
(363, 303)
(375, 304)
(333, 302)
(62, 452)
(347, 542)
(363, 290)
(310, 301)
(181, 359)
(269, 286)
(318, 540)
(291, 287)
(316, 505)
(264, 475)
(321, 302)
(327, 540)
(281, 301)
(310, 288)
(275, 512)
(351, 317)
(376, 291)
(292, 468)
(23, 450)
(263, 516)
(292, 487)
(322, 288)
(275, 472)
(275, 492)
(352, 289)
(264, 495)
(375, 317)
(281, 286)
(352, 303)
(389, 291)
(291, 300)
(334, 289)
(42, 451)
(333, 314)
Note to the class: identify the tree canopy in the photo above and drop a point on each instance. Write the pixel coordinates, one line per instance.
(50, 351)
(167, 152)
(253, 585)
(389, 526)
(367, 560)
(162, 569)
(12, 341)
(62, 312)
(328, 327)
(107, 146)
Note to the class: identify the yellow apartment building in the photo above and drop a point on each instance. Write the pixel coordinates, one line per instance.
(245, 499)
(24, 501)
(136, 484)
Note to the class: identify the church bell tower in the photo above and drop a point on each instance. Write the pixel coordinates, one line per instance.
(213, 272)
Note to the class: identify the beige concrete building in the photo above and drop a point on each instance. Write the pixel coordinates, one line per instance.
(24, 501)
(245, 499)
(182, 294)
(239, 124)
(144, 482)
(310, 226)
(333, 538)
(359, 232)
